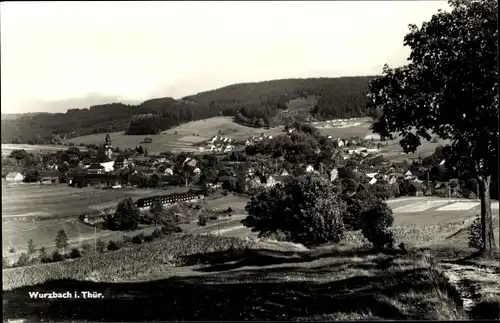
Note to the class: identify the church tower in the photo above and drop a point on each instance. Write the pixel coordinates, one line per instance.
(108, 147)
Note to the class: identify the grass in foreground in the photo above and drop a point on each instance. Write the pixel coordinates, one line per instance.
(215, 281)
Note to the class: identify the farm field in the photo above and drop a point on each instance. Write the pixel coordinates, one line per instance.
(64, 202)
(180, 138)
(8, 148)
(441, 216)
(161, 142)
(210, 127)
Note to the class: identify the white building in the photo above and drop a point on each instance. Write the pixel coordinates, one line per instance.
(14, 177)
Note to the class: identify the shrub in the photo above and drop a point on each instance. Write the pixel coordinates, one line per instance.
(202, 221)
(148, 238)
(23, 260)
(138, 239)
(56, 256)
(75, 253)
(177, 229)
(112, 246)
(100, 246)
(404, 188)
(488, 309)
(376, 222)
(127, 239)
(382, 190)
(213, 217)
(157, 233)
(475, 236)
(229, 210)
(357, 205)
(435, 140)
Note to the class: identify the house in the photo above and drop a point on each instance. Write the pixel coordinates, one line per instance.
(281, 179)
(14, 177)
(271, 181)
(120, 162)
(372, 181)
(108, 166)
(49, 177)
(171, 180)
(196, 171)
(334, 174)
(309, 169)
(371, 175)
(96, 168)
(86, 162)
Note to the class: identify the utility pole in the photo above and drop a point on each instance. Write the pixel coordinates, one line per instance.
(95, 239)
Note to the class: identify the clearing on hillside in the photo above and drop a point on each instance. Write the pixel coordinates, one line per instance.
(212, 127)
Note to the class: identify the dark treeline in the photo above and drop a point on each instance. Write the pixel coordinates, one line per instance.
(265, 103)
(255, 104)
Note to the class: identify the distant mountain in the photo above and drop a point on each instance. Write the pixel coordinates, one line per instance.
(257, 104)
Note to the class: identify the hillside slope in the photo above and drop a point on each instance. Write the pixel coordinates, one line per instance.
(255, 104)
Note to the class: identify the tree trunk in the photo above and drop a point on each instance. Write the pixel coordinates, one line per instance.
(486, 215)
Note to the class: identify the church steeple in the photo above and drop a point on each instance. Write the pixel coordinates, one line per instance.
(108, 146)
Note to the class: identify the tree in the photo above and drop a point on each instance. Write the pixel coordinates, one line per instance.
(61, 241)
(100, 246)
(376, 222)
(31, 247)
(449, 88)
(126, 215)
(43, 254)
(157, 211)
(308, 210)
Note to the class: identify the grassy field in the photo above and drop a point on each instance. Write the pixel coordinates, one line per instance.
(8, 148)
(190, 276)
(180, 138)
(186, 277)
(60, 201)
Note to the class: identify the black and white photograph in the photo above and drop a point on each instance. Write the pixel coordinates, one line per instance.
(250, 160)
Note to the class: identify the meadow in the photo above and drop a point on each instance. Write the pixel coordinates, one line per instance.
(60, 205)
(8, 148)
(180, 138)
(196, 277)
(262, 279)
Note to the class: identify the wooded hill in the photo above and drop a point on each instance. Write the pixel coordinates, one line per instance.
(256, 104)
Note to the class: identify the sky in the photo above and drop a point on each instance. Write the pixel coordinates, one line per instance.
(59, 55)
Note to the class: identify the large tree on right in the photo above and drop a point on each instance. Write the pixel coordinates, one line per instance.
(449, 88)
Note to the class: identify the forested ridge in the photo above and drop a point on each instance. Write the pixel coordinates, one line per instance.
(256, 104)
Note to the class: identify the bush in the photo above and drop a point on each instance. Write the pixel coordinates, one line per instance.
(112, 246)
(382, 190)
(56, 256)
(127, 239)
(376, 222)
(23, 260)
(202, 221)
(156, 233)
(488, 309)
(148, 238)
(177, 229)
(75, 253)
(213, 217)
(475, 236)
(100, 246)
(138, 239)
(404, 188)
(229, 210)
